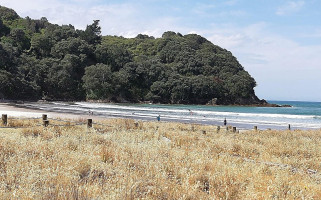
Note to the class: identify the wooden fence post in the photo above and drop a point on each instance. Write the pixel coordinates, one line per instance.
(44, 117)
(89, 123)
(234, 129)
(255, 128)
(5, 119)
(289, 127)
(45, 123)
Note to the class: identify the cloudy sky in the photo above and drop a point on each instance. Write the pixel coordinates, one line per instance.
(277, 41)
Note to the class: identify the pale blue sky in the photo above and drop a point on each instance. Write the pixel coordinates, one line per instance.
(277, 41)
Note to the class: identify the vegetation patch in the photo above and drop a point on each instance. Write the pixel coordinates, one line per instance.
(47, 61)
(157, 160)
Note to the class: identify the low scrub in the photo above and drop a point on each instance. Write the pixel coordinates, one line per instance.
(157, 160)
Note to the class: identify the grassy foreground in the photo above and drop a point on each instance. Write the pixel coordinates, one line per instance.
(157, 160)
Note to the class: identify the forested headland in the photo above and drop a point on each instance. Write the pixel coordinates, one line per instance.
(41, 60)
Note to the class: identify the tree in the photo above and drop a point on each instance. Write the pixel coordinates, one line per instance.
(169, 52)
(113, 55)
(8, 57)
(159, 92)
(4, 30)
(58, 33)
(8, 14)
(19, 39)
(92, 34)
(6, 84)
(98, 81)
(72, 45)
(195, 41)
(41, 45)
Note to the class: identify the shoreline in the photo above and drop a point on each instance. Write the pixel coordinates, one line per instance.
(21, 110)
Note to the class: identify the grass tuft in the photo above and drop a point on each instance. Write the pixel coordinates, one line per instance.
(125, 159)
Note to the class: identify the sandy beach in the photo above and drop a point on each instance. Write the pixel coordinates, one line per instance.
(20, 110)
(13, 111)
(240, 117)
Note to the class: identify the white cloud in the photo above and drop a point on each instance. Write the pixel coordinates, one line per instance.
(283, 69)
(215, 10)
(312, 34)
(290, 7)
(152, 27)
(231, 2)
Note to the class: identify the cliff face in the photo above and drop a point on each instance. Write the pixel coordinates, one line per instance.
(48, 61)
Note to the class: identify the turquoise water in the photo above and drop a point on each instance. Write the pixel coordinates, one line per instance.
(303, 115)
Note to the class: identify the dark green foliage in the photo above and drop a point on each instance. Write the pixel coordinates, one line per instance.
(41, 45)
(19, 39)
(6, 84)
(92, 34)
(113, 55)
(8, 57)
(42, 60)
(8, 14)
(4, 30)
(98, 81)
(72, 45)
(61, 81)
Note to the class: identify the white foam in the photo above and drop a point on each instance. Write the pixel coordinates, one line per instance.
(195, 112)
(183, 114)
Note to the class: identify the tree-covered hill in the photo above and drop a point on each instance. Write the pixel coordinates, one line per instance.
(40, 60)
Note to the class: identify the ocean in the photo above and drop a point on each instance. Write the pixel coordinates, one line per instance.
(302, 115)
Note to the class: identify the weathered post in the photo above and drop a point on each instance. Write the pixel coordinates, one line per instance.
(45, 123)
(289, 127)
(234, 129)
(5, 119)
(218, 128)
(255, 128)
(89, 123)
(44, 117)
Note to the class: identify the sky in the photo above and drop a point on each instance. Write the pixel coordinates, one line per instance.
(277, 41)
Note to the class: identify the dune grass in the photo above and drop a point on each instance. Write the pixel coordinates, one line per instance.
(157, 160)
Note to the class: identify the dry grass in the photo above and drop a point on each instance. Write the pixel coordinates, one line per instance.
(153, 160)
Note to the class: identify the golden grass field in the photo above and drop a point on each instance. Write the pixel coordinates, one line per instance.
(156, 160)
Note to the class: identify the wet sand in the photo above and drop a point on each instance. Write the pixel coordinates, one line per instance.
(20, 110)
(14, 111)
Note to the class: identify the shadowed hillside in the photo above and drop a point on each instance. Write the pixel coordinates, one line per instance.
(47, 61)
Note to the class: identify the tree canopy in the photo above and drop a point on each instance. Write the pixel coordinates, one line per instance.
(40, 60)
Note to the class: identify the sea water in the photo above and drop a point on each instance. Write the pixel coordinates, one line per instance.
(302, 115)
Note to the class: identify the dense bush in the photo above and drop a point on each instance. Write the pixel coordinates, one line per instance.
(42, 60)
